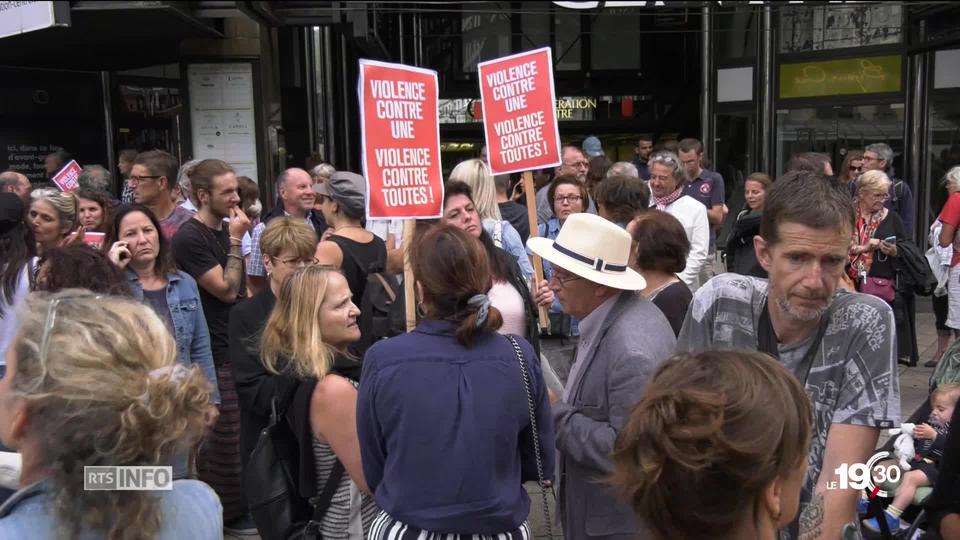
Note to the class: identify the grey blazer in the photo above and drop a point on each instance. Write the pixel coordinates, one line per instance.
(633, 340)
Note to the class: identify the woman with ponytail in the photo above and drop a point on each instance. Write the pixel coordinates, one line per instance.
(442, 415)
(94, 381)
(717, 448)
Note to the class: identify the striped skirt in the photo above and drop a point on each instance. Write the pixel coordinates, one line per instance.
(218, 460)
(385, 527)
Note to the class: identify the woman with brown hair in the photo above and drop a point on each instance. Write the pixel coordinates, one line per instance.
(660, 252)
(717, 448)
(93, 381)
(741, 258)
(95, 210)
(447, 431)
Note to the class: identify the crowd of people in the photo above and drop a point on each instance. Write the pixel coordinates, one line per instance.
(718, 382)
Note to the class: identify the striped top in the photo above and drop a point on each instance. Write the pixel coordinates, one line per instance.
(351, 511)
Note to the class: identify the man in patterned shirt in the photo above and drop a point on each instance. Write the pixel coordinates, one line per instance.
(839, 344)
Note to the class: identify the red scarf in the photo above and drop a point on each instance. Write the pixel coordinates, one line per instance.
(663, 202)
(866, 228)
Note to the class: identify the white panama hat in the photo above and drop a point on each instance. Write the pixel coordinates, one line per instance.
(594, 249)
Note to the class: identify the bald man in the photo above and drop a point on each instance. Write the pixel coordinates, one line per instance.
(15, 182)
(295, 188)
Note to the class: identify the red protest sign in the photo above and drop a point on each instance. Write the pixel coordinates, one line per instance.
(401, 141)
(519, 112)
(67, 179)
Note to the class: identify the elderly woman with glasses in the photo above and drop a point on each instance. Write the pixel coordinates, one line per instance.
(875, 239)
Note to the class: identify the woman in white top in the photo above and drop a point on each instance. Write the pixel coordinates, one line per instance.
(510, 293)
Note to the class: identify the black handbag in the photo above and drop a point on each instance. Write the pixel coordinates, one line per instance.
(270, 483)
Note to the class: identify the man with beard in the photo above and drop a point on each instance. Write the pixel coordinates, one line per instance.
(643, 150)
(839, 344)
(208, 248)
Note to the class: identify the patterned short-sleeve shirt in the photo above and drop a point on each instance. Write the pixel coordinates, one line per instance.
(853, 380)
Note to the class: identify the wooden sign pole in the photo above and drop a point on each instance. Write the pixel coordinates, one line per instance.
(409, 291)
(531, 195)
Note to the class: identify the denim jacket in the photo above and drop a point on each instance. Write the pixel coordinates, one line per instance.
(190, 325)
(190, 510)
(508, 239)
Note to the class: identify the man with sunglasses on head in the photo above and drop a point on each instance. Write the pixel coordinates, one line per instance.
(152, 178)
(666, 193)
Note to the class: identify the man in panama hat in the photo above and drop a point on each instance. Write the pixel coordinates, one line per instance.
(623, 338)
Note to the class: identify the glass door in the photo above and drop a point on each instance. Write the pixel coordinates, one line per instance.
(735, 160)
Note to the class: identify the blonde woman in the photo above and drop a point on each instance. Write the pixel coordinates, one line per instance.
(53, 215)
(307, 335)
(476, 174)
(93, 381)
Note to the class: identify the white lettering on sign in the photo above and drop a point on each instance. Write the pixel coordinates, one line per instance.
(401, 102)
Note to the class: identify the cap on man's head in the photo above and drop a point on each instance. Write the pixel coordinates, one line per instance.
(11, 211)
(348, 189)
(592, 147)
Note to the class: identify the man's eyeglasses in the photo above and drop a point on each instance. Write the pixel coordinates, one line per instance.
(135, 180)
(567, 199)
(579, 165)
(856, 169)
(563, 278)
(871, 158)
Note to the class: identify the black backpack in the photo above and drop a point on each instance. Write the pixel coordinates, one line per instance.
(913, 270)
(278, 509)
(382, 308)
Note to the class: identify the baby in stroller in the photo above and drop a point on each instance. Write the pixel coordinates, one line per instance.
(930, 439)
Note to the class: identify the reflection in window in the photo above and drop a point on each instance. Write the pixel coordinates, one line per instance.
(615, 35)
(736, 32)
(943, 144)
(834, 130)
(486, 34)
(806, 28)
(567, 48)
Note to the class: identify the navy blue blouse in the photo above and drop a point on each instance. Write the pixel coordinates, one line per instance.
(445, 432)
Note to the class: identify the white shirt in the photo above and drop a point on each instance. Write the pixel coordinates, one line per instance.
(510, 304)
(693, 216)
(383, 227)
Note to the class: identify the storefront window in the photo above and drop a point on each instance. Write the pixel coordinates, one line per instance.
(536, 19)
(834, 130)
(943, 135)
(808, 28)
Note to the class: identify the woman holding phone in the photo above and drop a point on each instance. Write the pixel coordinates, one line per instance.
(874, 246)
(138, 248)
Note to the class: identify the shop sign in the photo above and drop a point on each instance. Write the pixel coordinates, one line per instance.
(850, 76)
(466, 111)
(21, 17)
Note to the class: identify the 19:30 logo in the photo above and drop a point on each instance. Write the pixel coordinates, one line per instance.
(868, 476)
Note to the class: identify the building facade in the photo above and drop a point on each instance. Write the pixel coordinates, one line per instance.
(271, 85)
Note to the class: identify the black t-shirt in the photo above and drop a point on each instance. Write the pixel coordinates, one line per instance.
(198, 248)
(517, 216)
(357, 260)
(673, 301)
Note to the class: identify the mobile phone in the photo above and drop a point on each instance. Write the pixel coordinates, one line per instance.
(890, 239)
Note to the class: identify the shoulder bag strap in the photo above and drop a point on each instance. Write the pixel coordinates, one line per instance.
(536, 434)
(321, 503)
(767, 341)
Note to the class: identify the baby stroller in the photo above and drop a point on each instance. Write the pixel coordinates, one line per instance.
(946, 372)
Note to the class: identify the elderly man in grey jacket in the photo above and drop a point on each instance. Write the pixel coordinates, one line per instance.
(623, 338)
